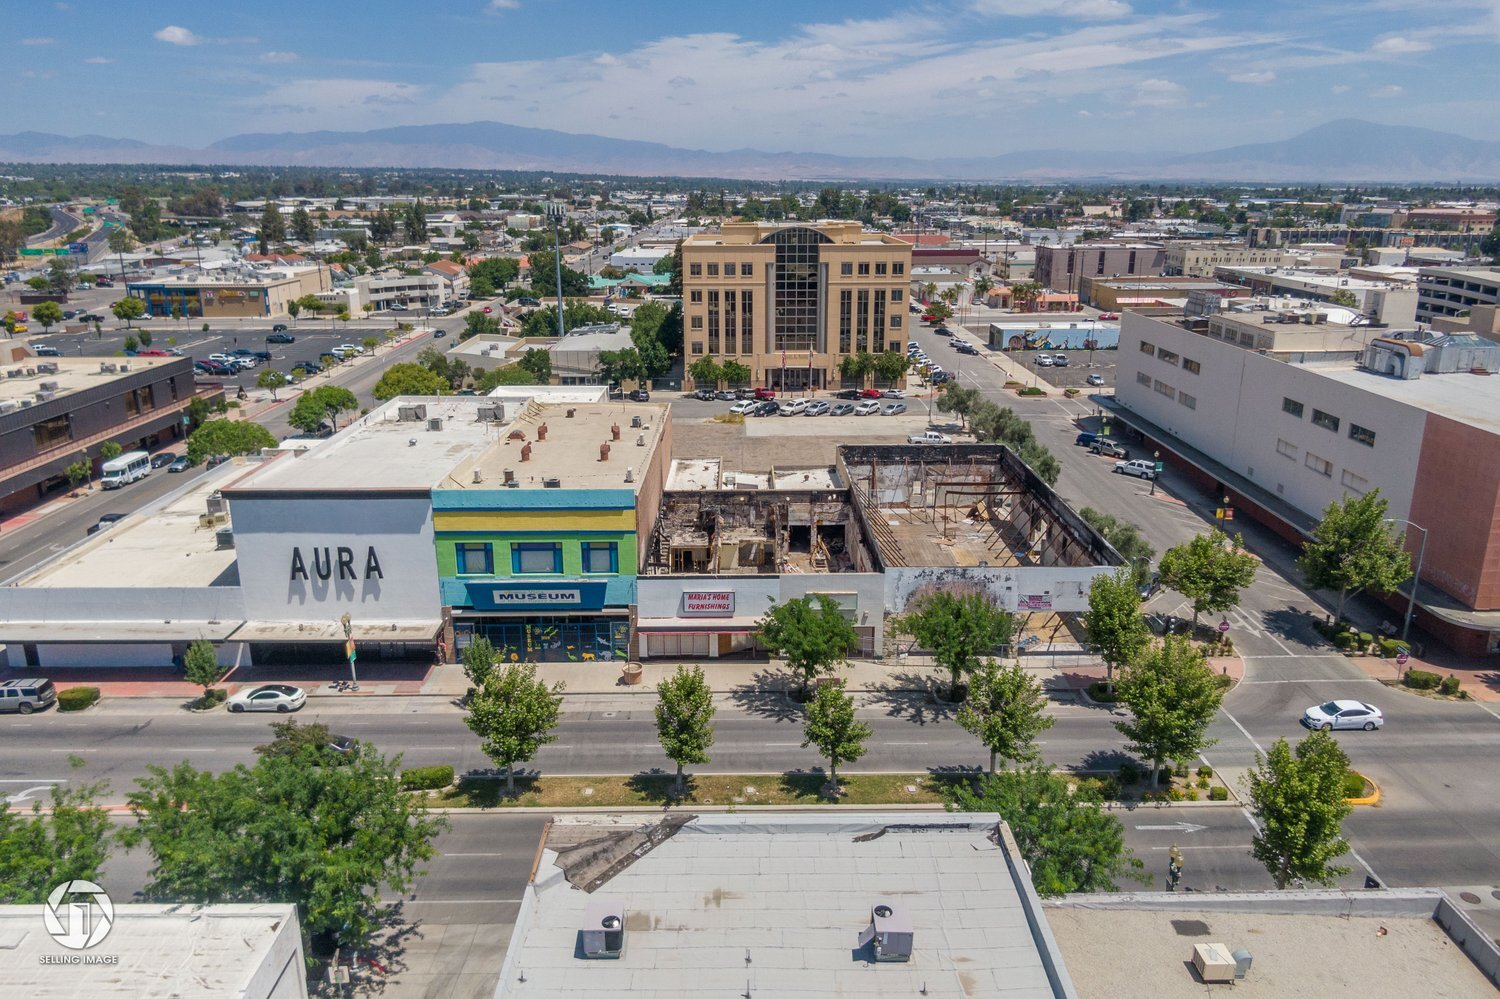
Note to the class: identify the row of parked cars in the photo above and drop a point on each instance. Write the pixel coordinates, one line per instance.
(816, 407)
(1138, 467)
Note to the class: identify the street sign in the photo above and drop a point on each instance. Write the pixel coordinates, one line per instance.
(349, 649)
(1223, 627)
(1159, 468)
(1402, 658)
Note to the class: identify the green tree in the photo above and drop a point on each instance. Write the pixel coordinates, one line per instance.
(110, 450)
(61, 277)
(706, 372)
(270, 379)
(891, 365)
(1126, 539)
(1353, 549)
(684, 718)
(325, 402)
(131, 344)
(1298, 802)
(128, 308)
(477, 324)
(1172, 697)
(509, 374)
(77, 473)
(10, 320)
(293, 308)
(1116, 630)
(121, 242)
(734, 373)
(409, 379)
(833, 730)
(538, 363)
(68, 840)
(1005, 711)
(331, 840)
(543, 322)
(478, 661)
(857, 367)
(1490, 245)
(575, 284)
(227, 437)
(200, 665)
(618, 366)
(955, 398)
(960, 630)
(292, 738)
(514, 714)
(1070, 843)
(370, 343)
(810, 633)
(49, 314)
(272, 227)
(302, 226)
(145, 337)
(1344, 297)
(1210, 571)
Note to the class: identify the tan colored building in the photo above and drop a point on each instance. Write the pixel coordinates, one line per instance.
(259, 295)
(791, 301)
(1200, 259)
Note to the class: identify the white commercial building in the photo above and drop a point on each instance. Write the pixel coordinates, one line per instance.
(639, 258)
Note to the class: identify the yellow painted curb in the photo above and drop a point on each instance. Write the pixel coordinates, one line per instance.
(1373, 799)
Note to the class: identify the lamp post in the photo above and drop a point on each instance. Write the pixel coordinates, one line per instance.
(555, 212)
(348, 626)
(1416, 580)
(1155, 460)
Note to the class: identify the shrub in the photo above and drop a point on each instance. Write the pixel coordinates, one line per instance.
(1129, 773)
(1031, 390)
(1099, 691)
(211, 698)
(1012, 383)
(1390, 648)
(1109, 788)
(1448, 685)
(1223, 681)
(1204, 782)
(1070, 393)
(1421, 679)
(77, 698)
(1205, 771)
(1218, 794)
(426, 778)
(1354, 785)
(1176, 794)
(1180, 770)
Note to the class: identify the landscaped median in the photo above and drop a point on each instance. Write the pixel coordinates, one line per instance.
(1361, 790)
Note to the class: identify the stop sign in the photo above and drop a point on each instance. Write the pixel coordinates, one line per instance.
(1402, 658)
(1223, 627)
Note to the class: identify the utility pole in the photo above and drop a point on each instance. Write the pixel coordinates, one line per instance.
(555, 212)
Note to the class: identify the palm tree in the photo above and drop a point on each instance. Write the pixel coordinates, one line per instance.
(120, 240)
(928, 290)
(982, 286)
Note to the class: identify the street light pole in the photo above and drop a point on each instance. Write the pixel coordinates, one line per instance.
(1416, 580)
(555, 213)
(1155, 460)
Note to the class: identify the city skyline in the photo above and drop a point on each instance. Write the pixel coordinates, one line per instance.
(959, 78)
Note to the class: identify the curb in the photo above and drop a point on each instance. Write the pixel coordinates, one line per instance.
(1373, 799)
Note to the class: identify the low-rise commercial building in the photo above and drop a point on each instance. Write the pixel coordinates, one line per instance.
(231, 294)
(1195, 259)
(1061, 268)
(1118, 294)
(642, 259)
(1388, 302)
(1452, 291)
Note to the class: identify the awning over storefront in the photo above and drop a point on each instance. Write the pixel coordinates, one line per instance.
(26, 632)
(697, 625)
(332, 631)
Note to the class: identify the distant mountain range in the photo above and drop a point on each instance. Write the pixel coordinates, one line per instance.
(1347, 150)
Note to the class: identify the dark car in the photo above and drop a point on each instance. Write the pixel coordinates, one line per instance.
(107, 520)
(767, 408)
(704, 395)
(91, 317)
(279, 328)
(943, 331)
(43, 350)
(281, 338)
(529, 303)
(439, 334)
(311, 367)
(70, 313)
(939, 377)
(215, 460)
(163, 459)
(1085, 439)
(967, 348)
(212, 368)
(640, 395)
(846, 394)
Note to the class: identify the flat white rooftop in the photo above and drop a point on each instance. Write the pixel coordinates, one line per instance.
(74, 374)
(1467, 398)
(792, 892)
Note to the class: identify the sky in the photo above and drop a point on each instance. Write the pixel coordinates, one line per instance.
(939, 78)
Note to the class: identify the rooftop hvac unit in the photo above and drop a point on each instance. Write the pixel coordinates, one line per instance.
(603, 932)
(45, 396)
(47, 367)
(8, 406)
(31, 372)
(14, 373)
(48, 386)
(890, 931)
(411, 414)
(635, 421)
(224, 538)
(124, 366)
(493, 414)
(436, 423)
(478, 476)
(25, 403)
(552, 483)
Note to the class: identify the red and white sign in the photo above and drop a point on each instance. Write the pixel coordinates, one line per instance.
(708, 603)
(1402, 659)
(1035, 602)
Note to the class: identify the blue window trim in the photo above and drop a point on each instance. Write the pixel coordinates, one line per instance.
(518, 547)
(461, 558)
(614, 557)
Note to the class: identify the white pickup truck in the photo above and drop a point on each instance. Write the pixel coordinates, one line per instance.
(930, 437)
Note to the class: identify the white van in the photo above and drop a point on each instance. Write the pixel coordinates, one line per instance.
(125, 469)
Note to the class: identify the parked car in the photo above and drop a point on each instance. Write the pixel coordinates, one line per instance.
(929, 437)
(867, 408)
(967, 348)
(1150, 588)
(846, 394)
(438, 312)
(1104, 445)
(46, 350)
(1044, 360)
(794, 407)
(162, 459)
(1060, 360)
(349, 348)
(744, 392)
(1095, 379)
(1085, 439)
(942, 330)
(939, 377)
(744, 406)
(152, 353)
(894, 409)
(91, 317)
(311, 367)
(1343, 714)
(24, 696)
(281, 697)
(529, 303)
(1138, 467)
(893, 393)
(180, 465)
(281, 338)
(69, 313)
(212, 368)
(767, 407)
(279, 328)
(764, 393)
(817, 408)
(841, 409)
(640, 395)
(869, 393)
(704, 395)
(725, 395)
(221, 358)
(215, 460)
(439, 334)
(106, 520)
(1109, 315)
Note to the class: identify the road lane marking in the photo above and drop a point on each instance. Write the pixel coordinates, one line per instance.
(472, 855)
(1221, 846)
(456, 901)
(1245, 732)
(1183, 827)
(903, 744)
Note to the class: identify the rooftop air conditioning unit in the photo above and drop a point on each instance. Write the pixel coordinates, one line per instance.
(603, 933)
(553, 483)
(124, 366)
(890, 931)
(14, 373)
(47, 386)
(47, 368)
(31, 372)
(45, 396)
(25, 403)
(410, 414)
(436, 423)
(8, 406)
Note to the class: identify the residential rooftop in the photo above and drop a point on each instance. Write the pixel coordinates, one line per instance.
(23, 380)
(775, 904)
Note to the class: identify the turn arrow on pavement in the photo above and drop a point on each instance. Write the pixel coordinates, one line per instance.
(1183, 827)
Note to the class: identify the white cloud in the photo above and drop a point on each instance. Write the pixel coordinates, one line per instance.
(98, 60)
(1156, 93)
(1253, 76)
(39, 41)
(1389, 90)
(1339, 88)
(1400, 45)
(495, 6)
(174, 35)
(279, 57)
(1081, 10)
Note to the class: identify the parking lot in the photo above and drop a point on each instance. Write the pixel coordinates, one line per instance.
(1075, 374)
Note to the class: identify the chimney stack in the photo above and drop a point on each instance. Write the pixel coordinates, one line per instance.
(603, 452)
(541, 432)
(614, 431)
(526, 453)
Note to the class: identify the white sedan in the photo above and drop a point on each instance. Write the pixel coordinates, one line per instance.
(282, 697)
(744, 406)
(1343, 714)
